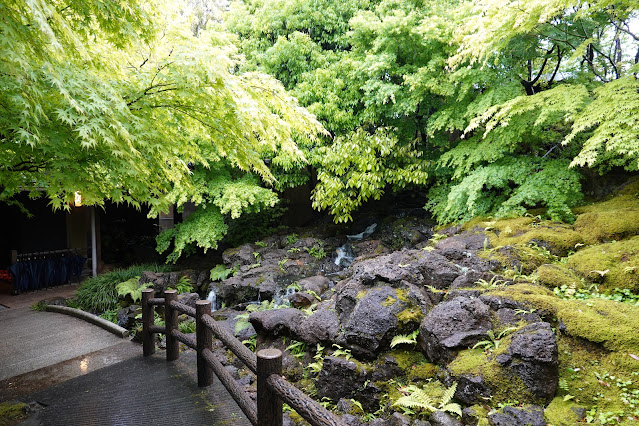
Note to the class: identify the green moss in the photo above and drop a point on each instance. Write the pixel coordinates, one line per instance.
(613, 218)
(12, 413)
(411, 315)
(595, 379)
(612, 324)
(422, 372)
(389, 301)
(406, 360)
(402, 294)
(556, 275)
(504, 385)
(361, 294)
(561, 413)
(612, 265)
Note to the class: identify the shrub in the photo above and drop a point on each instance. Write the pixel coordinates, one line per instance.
(99, 294)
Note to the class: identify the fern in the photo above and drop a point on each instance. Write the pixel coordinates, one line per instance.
(419, 398)
(132, 288)
(407, 339)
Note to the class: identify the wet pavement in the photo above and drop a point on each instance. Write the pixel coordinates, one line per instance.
(75, 373)
(137, 391)
(31, 340)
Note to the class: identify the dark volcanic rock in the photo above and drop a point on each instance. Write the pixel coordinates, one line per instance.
(319, 284)
(532, 355)
(321, 327)
(472, 390)
(514, 416)
(277, 322)
(188, 299)
(339, 379)
(301, 299)
(372, 322)
(453, 325)
(440, 418)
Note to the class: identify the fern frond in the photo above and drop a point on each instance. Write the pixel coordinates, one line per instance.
(417, 398)
(452, 408)
(409, 339)
(448, 395)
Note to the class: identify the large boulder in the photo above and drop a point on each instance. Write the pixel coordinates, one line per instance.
(531, 415)
(277, 322)
(373, 321)
(339, 378)
(533, 356)
(320, 327)
(318, 284)
(453, 325)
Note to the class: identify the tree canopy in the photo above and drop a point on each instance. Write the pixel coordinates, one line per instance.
(492, 106)
(478, 106)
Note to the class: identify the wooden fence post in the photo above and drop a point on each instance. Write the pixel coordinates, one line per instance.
(269, 405)
(204, 340)
(148, 317)
(171, 321)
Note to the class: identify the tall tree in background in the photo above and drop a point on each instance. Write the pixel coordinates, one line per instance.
(120, 101)
(495, 105)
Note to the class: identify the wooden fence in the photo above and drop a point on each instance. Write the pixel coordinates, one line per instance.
(272, 388)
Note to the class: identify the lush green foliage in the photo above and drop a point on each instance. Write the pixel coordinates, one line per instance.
(500, 105)
(99, 294)
(123, 102)
(132, 288)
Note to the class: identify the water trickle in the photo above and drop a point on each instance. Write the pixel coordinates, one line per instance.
(345, 256)
(213, 298)
(368, 231)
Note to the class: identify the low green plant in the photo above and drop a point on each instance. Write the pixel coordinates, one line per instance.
(39, 306)
(184, 285)
(571, 292)
(293, 250)
(133, 288)
(405, 339)
(317, 251)
(261, 244)
(251, 342)
(282, 263)
(187, 327)
(110, 315)
(292, 239)
(493, 283)
(341, 352)
(297, 349)
(493, 341)
(242, 319)
(316, 366)
(418, 400)
(98, 294)
(221, 272)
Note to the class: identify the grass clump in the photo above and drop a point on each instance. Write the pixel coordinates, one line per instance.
(12, 413)
(99, 294)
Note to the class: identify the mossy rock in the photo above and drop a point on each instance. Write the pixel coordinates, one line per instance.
(611, 219)
(611, 324)
(557, 275)
(562, 413)
(612, 264)
(595, 379)
(504, 385)
(607, 225)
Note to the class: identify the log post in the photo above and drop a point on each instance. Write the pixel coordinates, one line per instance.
(269, 405)
(171, 321)
(204, 341)
(148, 317)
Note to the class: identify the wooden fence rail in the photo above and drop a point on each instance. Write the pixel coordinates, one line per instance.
(272, 388)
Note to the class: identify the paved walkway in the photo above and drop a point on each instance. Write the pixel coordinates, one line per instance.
(80, 374)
